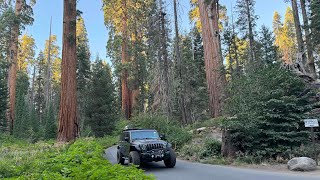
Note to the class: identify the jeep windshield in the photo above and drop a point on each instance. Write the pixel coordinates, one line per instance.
(138, 135)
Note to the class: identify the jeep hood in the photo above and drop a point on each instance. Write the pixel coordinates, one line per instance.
(148, 141)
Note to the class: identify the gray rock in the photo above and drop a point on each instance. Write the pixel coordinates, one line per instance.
(199, 130)
(302, 164)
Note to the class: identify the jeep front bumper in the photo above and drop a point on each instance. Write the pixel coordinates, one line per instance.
(155, 155)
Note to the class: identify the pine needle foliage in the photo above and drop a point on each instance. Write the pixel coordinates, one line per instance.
(269, 105)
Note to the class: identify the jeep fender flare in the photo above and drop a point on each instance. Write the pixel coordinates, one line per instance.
(134, 148)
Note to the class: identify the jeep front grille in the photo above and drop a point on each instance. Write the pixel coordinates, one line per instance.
(154, 146)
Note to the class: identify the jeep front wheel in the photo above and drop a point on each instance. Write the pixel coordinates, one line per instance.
(170, 162)
(120, 159)
(134, 158)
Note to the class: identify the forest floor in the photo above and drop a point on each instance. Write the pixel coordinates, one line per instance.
(194, 152)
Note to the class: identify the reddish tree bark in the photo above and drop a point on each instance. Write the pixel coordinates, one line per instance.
(213, 61)
(12, 59)
(68, 119)
(126, 94)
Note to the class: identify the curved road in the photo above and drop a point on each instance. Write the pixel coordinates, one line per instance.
(185, 170)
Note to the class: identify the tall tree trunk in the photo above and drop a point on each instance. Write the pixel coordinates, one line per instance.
(251, 39)
(32, 87)
(135, 89)
(213, 62)
(164, 84)
(39, 108)
(310, 64)
(184, 108)
(126, 97)
(48, 75)
(68, 122)
(12, 59)
(234, 44)
(298, 30)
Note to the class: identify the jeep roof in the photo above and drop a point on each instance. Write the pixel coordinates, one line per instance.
(137, 129)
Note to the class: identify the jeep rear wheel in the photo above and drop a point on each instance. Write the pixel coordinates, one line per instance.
(134, 158)
(120, 159)
(170, 162)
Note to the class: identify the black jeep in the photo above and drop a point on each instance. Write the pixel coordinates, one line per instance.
(144, 145)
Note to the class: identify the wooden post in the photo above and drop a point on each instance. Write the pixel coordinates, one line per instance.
(311, 123)
(314, 146)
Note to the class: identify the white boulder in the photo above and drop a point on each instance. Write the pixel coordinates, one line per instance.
(302, 164)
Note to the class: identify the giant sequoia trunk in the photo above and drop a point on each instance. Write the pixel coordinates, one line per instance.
(298, 30)
(12, 59)
(213, 62)
(310, 62)
(126, 94)
(68, 119)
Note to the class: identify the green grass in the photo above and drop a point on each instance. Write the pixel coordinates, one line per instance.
(82, 159)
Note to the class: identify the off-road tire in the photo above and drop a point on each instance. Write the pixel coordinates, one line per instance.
(170, 162)
(134, 158)
(120, 159)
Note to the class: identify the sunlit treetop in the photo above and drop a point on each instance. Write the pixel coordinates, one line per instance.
(26, 52)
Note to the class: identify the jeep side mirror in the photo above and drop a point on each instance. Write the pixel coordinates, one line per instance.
(126, 139)
(163, 137)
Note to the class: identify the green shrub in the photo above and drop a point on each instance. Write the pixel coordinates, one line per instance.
(191, 152)
(107, 141)
(212, 147)
(174, 133)
(81, 160)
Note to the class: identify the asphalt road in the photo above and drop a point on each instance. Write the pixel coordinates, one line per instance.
(185, 170)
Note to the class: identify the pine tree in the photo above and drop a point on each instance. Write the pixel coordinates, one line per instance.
(83, 69)
(101, 110)
(52, 70)
(158, 61)
(3, 96)
(285, 36)
(269, 52)
(277, 26)
(310, 63)
(124, 19)
(193, 67)
(271, 103)
(22, 123)
(247, 22)
(83, 55)
(50, 126)
(182, 86)
(315, 22)
(39, 103)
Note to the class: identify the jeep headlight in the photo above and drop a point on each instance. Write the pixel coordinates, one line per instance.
(168, 145)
